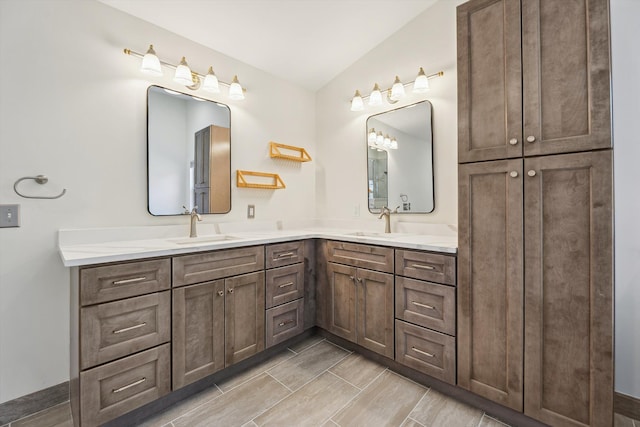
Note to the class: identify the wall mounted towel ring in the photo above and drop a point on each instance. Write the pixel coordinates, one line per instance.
(40, 179)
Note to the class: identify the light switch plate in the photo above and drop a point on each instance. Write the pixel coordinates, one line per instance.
(9, 216)
(251, 211)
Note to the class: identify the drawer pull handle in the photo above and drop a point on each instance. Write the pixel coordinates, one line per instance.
(127, 281)
(286, 255)
(423, 267)
(286, 322)
(430, 307)
(133, 384)
(417, 350)
(130, 328)
(284, 285)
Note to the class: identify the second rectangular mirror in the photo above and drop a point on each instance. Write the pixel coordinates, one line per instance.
(400, 159)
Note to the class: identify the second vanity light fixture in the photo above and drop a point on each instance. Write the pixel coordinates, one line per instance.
(381, 142)
(395, 92)
(184, 75)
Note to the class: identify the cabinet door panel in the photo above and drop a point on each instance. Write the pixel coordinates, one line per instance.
(565, 54)
(490, 282)
(341, 301)
(244, 316)
(198, 332)
(489, 80)
(568, 301)
(375, 311)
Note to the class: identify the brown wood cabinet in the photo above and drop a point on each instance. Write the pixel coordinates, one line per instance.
(533, 78)
(359, 302)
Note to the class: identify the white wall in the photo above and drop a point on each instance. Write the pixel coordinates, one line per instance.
(73, 107)
(625, 56)
(428, 41)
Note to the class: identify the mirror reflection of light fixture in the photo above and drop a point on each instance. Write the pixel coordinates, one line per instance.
(184, 75)
(394, 93)
(356, 102)
(380, 142)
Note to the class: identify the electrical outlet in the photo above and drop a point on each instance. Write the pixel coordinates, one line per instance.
(251, 211)
(9, 216)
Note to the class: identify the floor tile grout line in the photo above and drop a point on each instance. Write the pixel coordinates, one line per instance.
(356, 396)
(415, 421)
(307, 348)
(342, 379)
(261, 372)
(414, 406)
(279, 382)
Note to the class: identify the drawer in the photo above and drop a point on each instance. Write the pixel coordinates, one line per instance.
(285, 321)
(116, 329)
(284, 284)
(426, 351)
(426, 304)
(426, 266)
(284, 254)
(118, 281)
(197, 268)
(370, 257)
(116, 388)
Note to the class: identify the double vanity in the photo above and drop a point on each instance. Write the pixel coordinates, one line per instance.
(150, 316)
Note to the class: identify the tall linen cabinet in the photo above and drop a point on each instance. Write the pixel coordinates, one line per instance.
(535, 279)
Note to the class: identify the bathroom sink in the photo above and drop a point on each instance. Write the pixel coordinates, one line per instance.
(201, 239)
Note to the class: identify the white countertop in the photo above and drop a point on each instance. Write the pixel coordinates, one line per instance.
(95, 247)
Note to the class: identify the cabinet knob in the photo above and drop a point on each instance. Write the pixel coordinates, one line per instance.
(531, 138)
(513, 141)
(352, 278)
(231, 290)
(220, 293)
(359, 279)
(513, 174)
(531, 173)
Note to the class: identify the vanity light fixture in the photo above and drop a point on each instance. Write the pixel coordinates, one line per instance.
(395, 92)
(184, 75)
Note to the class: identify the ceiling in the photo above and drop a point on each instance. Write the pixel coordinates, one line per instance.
(306, 42)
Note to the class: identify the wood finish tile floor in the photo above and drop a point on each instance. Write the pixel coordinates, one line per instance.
(314, 383)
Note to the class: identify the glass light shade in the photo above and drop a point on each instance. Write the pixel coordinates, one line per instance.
(421, 84)
(235, 90)
(183, 73)
(376, 96)
(356, 102)
(371, 137)
(379, 138)
(394, 144)
(397, 90)
(387, 141)
(211, 82)
(151, 63)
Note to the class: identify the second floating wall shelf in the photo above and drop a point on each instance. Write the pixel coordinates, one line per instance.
(301, 154)
(274, 182)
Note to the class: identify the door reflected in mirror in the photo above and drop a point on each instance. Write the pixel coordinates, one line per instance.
(400, 159)
(189, 153)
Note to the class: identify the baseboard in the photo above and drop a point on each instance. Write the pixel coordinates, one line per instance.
(34, 402)
(628, 406)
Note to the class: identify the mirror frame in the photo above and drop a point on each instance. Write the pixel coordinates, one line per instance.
(433, 192)
(148, 158)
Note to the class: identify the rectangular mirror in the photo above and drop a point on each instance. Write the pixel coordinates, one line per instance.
(400, 159)
(188, 153)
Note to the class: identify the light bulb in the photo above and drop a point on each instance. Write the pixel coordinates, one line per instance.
(421, 84)
(376, 96)
(151, 63)
(183, 73)
(211, 82)
(356, 102)
(371, 137)
(379, 138)
(387, 141)
(235, 90)
(394, 143)
(397, 90)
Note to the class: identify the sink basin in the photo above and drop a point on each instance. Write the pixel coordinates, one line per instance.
(201, 239)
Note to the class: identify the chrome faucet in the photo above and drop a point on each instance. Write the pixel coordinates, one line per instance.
(386, 213)
(194, 216)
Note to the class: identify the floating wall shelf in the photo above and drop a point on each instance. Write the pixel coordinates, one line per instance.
(274, 182)
(301, 154)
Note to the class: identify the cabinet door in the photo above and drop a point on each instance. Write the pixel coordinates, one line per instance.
(489, 80)
(490, 283)
(375, 311)
(198, 332)
(244, 316)
(341, 301)
(569, 287)
(565, 54)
